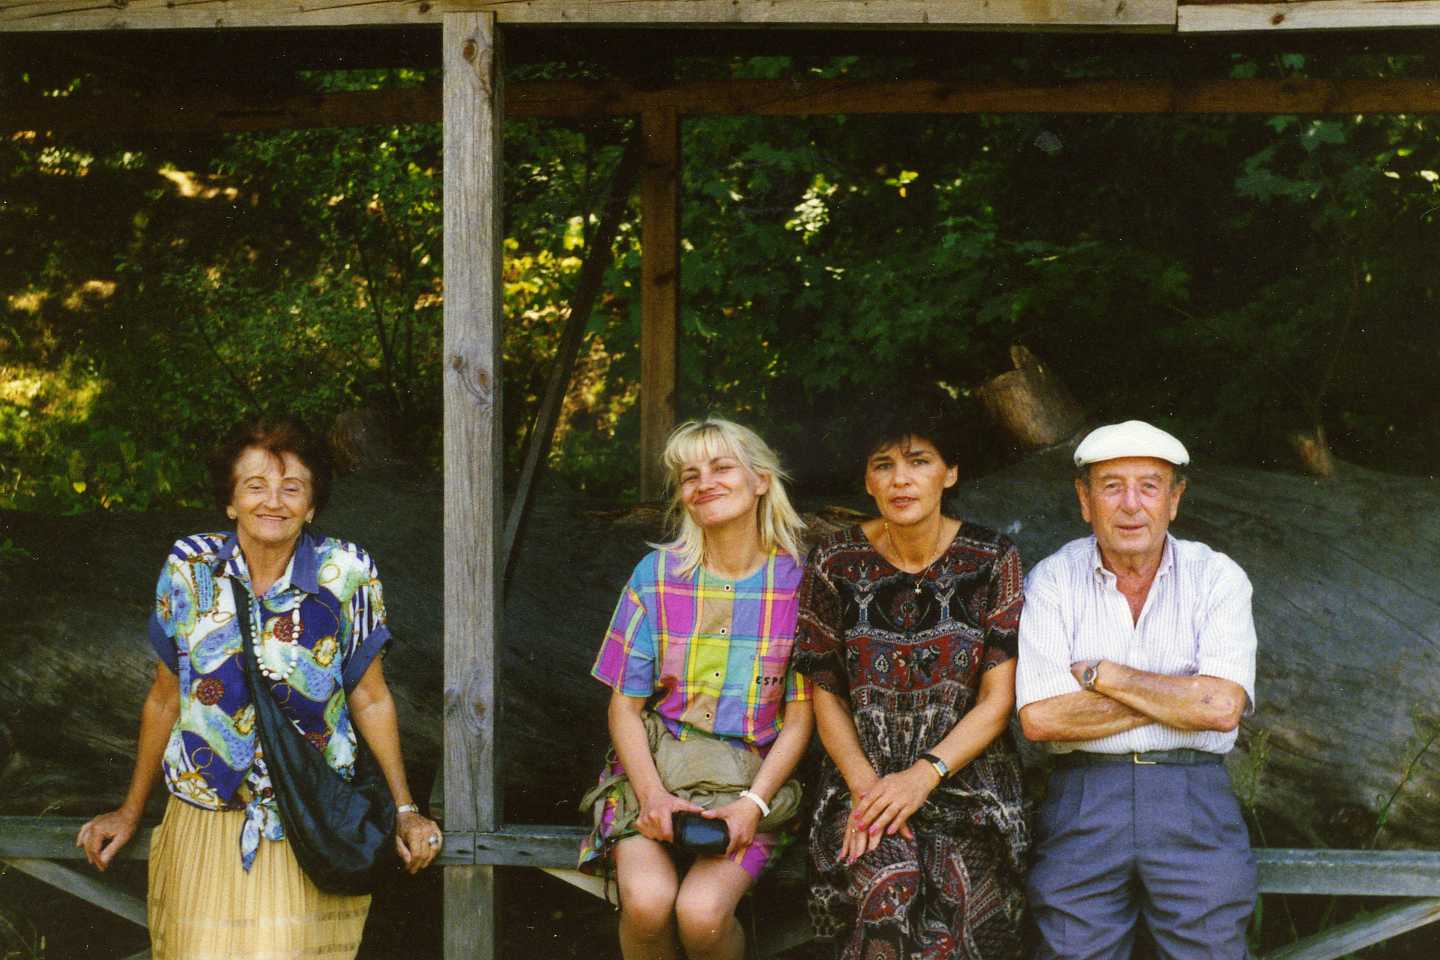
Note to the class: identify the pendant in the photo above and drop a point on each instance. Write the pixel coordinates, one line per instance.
(918, 584)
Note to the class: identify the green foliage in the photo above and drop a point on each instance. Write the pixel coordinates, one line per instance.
(1426, 727)
(1235, 277)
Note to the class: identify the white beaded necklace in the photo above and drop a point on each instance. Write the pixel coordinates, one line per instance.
(277, 657)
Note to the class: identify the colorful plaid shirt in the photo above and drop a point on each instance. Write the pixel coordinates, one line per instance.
(711, 655)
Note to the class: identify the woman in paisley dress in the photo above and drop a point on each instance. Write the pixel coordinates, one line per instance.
(907, 631)
(223, 881)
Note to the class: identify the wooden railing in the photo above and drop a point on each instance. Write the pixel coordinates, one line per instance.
(38, 845)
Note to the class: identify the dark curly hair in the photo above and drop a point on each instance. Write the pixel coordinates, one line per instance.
(925, 414)
(276, 437)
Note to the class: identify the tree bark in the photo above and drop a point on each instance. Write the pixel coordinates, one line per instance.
(1030, 403)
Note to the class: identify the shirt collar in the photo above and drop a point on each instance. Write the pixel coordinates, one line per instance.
(1167, 557)
(302, 572)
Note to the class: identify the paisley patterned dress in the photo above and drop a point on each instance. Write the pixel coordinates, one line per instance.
(907, 651)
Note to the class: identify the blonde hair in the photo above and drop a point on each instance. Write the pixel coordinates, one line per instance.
(776, 520)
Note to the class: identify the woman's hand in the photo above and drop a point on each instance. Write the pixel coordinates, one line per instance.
(885, 809)
(856, 842)
(418, 840)
(103, 836)
(741, 817)
(656, 811)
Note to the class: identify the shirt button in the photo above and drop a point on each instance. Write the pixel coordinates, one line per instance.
(728, 588)
(717, 674)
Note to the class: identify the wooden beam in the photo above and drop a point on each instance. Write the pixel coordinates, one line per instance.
(1131, 16)
(86, 886)
(587, 289)
(526, 845)
(474, 462)
(1108, 15)
(1393, 873)
(53, 838)
(787, 98)
(68, 15)
(566, 100)
(1307, 15)
(659, 292)
(1361, 932)
(234, 112)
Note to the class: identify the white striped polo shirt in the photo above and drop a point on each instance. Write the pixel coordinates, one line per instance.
(1196, 620)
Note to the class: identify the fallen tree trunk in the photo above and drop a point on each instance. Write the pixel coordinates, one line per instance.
(1345, 601)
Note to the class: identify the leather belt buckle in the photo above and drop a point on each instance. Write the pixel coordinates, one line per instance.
(1135, 758)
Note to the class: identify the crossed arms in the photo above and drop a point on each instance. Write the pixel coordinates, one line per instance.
(1125, 698)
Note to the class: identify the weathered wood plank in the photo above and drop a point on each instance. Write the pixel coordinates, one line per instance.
(587, 289)
(1132, 16)
(595, 886)
(63, 15)
(60, 15)
(235, 112)
(86, 886)
(1370, 928)
(1394, 873)
(518, 845)
(757, 97)
(53, 838)
(473, 109)
(1307, 15)
(660, 291)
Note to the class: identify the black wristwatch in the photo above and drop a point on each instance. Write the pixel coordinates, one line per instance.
(942, 769)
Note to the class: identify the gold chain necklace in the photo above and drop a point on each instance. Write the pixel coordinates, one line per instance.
(935, 550)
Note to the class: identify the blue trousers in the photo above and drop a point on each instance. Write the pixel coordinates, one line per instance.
(1119, 841)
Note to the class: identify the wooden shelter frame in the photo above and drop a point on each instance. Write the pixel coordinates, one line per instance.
(472, 103)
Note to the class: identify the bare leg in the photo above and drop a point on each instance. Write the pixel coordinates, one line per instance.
(648, 884)
(705, 909)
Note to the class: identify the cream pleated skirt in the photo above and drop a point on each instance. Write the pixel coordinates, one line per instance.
(204, 906)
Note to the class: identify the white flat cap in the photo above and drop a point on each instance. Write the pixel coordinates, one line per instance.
(1133, 438)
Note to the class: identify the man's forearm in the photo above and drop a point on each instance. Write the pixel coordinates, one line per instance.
(1078, 716)
(1185, 703)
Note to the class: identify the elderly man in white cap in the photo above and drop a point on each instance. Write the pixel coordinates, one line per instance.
(1137, 660)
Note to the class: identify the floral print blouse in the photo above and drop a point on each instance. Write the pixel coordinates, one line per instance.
(316, 630)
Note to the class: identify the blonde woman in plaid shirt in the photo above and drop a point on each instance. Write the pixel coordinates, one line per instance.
(701, 638)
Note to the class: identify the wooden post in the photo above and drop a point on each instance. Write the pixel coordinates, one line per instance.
(659, 291)
(473, 462)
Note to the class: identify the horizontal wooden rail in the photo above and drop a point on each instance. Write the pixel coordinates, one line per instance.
(86, 885)
(238, 113)
(1394, 873)
(1384, 873)
(31, 844)
(1102, 15)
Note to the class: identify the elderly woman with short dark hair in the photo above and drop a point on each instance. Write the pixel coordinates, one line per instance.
(223, 880)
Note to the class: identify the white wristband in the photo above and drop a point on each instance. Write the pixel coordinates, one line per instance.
(754, 798)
